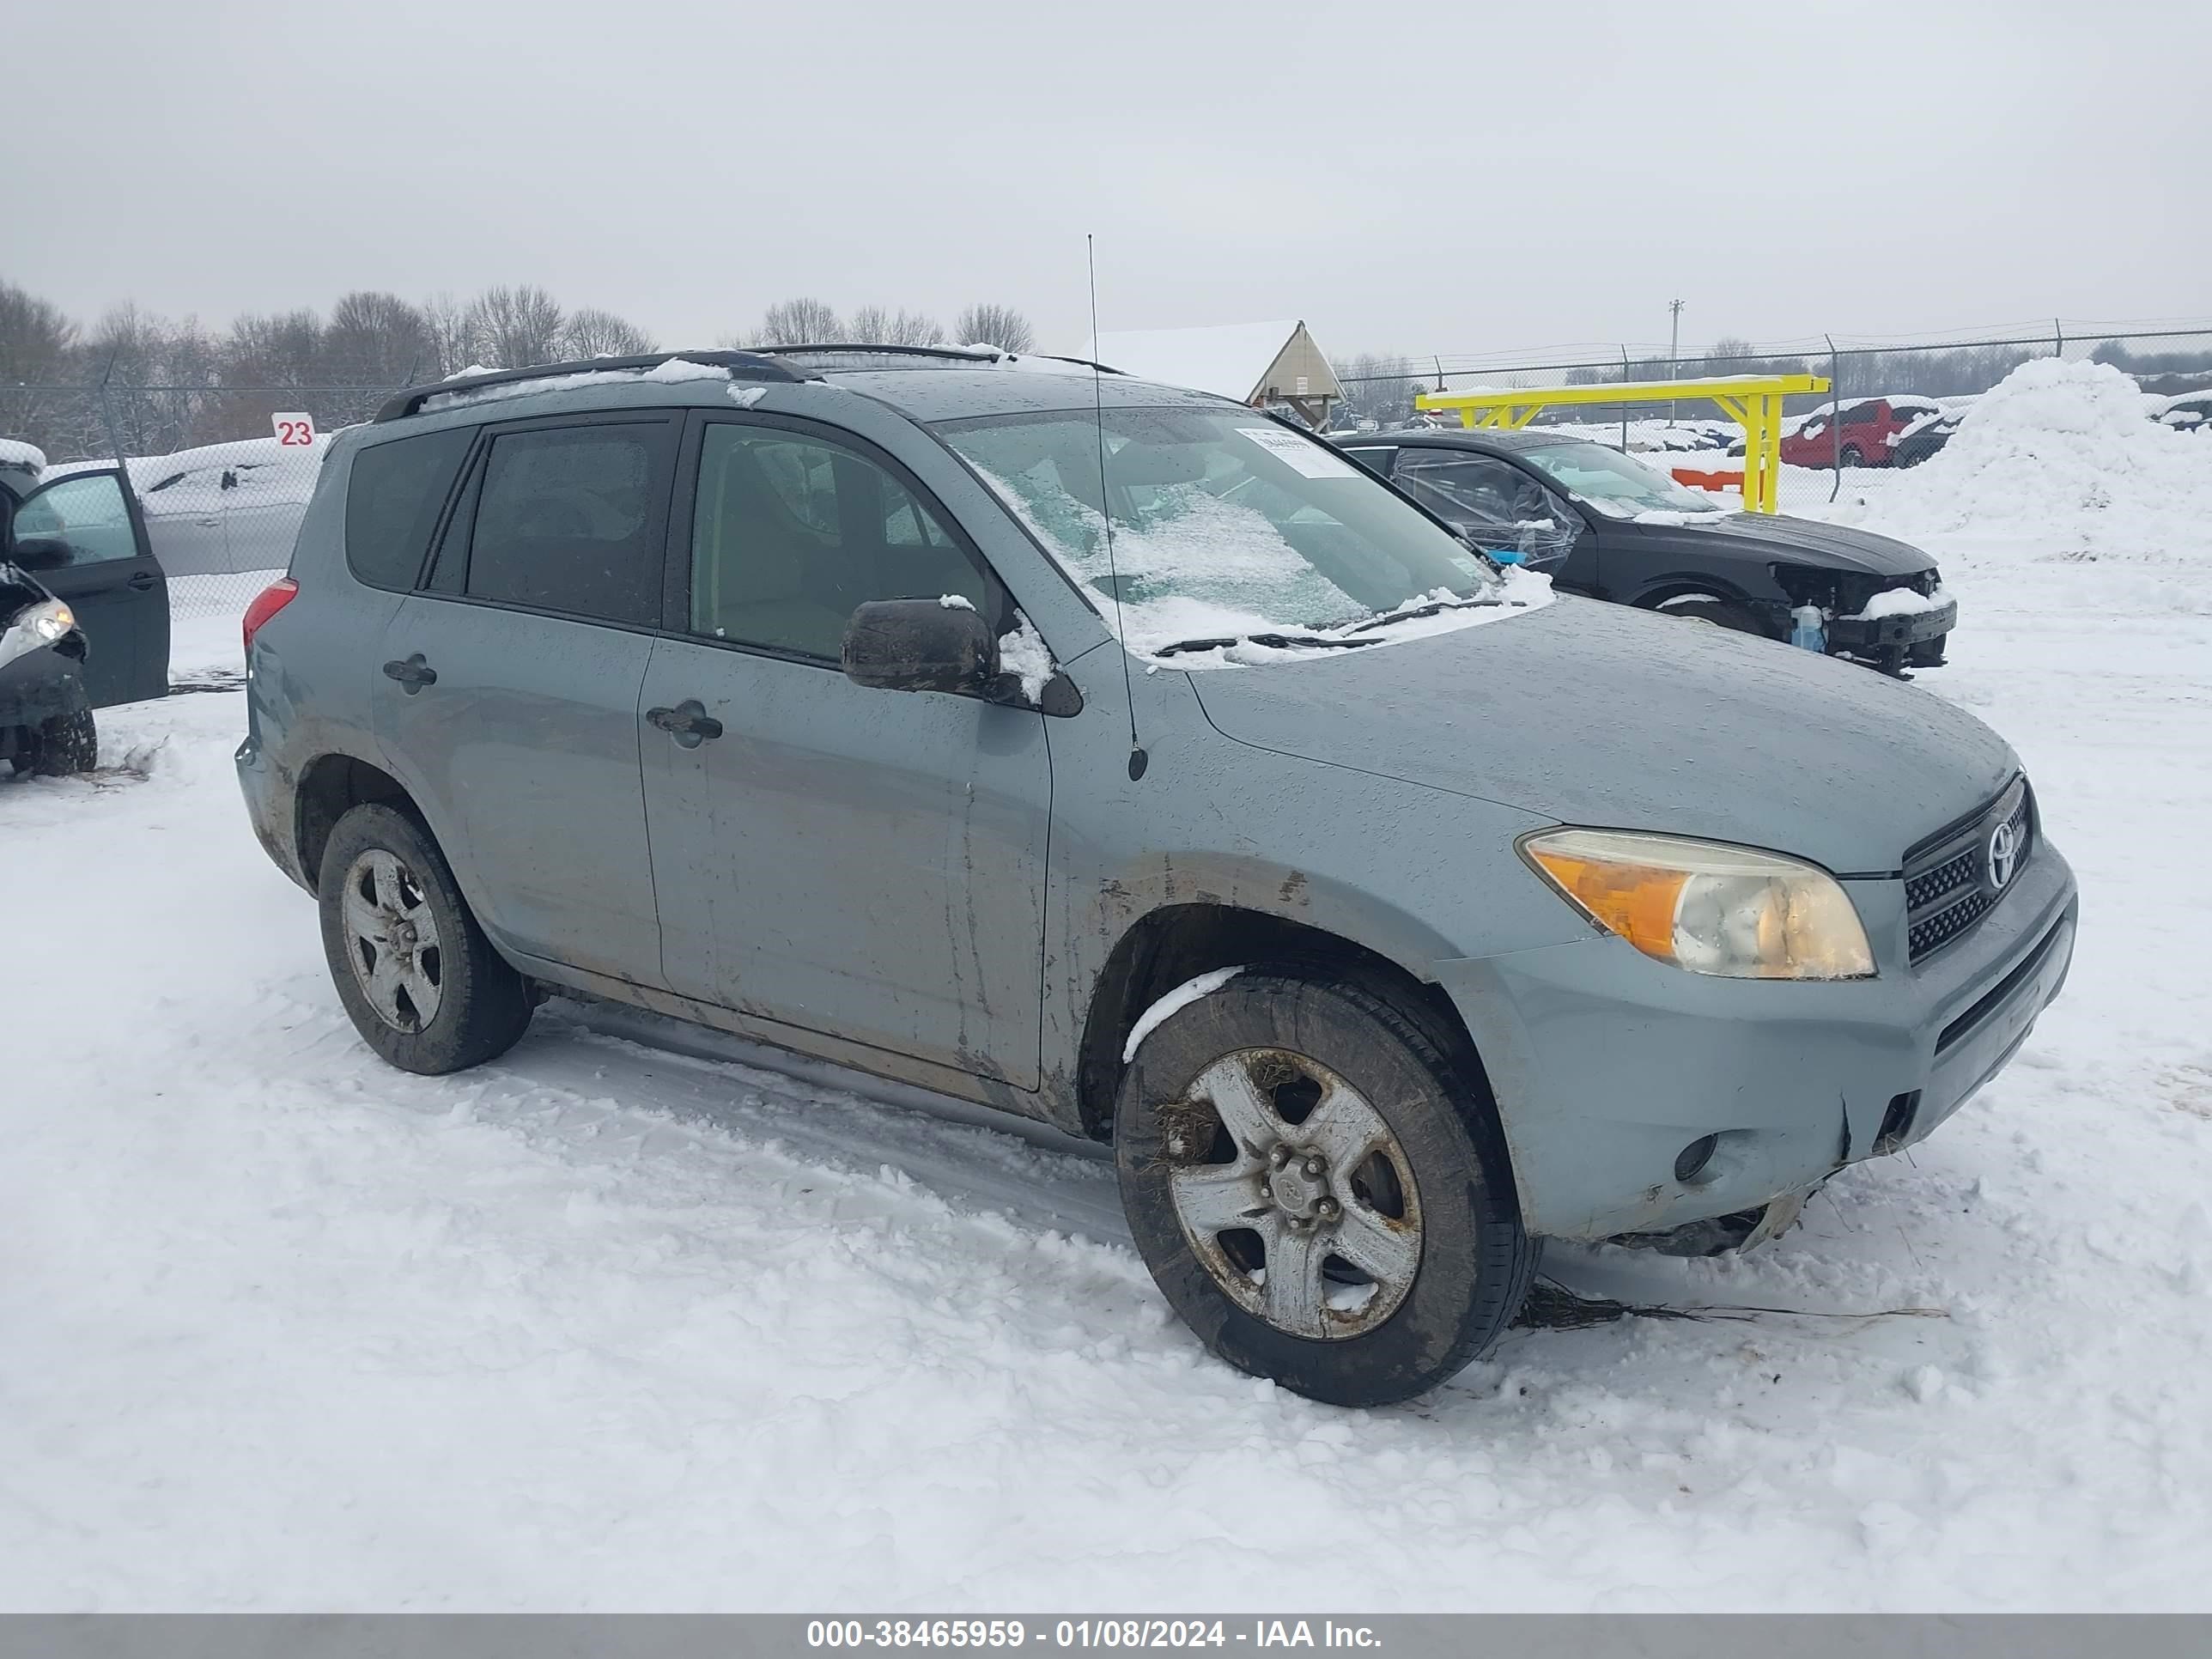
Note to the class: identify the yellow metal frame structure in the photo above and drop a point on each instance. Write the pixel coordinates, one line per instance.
(1753, 401)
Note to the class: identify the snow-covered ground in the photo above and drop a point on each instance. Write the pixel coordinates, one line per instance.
(607, 1326)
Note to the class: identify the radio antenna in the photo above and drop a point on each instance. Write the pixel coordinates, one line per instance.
(1137, 757)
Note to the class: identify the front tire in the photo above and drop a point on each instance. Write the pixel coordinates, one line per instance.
(1720, 613)
(64, 746)
(1320, 1191)
(418, 978)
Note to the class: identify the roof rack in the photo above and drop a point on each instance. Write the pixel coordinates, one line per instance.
(745, 365)
(978, 353)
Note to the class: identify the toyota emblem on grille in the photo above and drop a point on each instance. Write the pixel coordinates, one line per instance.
(2004, 855)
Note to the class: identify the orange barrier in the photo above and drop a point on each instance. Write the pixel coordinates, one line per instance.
(1697, 478)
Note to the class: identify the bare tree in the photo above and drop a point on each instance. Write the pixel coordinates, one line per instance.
(515, 327)
(1380, 388)
(38, 350)
(35, 337)
(594, 333)
(873, 325)
(999, 326)
(802, 321)
(282, 350)
(451, 327)
(377, 340)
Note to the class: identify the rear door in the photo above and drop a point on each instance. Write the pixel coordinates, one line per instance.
(184, 520)
(262, 502)
(507, 691)
(103, 569)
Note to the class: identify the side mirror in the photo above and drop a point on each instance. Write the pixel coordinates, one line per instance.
(42, 553)
(919, 645)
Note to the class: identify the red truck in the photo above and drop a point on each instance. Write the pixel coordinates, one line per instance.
(1870, 430)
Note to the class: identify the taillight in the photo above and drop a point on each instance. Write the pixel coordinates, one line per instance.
(266, 604)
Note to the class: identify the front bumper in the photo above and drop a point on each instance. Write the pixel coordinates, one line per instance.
(1883, 635)
(1606, 1065)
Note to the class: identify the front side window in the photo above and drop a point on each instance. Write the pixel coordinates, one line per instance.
(1225, 524)
(1507, 512)
(1620, 486)
(566, 521)
(90, 514)
(791, 533)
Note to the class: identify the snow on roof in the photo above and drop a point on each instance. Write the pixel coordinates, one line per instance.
(14, 451)
(1229, 361)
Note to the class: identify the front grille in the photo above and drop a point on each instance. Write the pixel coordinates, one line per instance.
(1950, 880)
(1946, 878)
(1945, 925)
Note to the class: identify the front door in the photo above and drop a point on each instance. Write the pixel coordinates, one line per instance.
(1506, 512)
(509, 691)
(98, 564)
(866, 863)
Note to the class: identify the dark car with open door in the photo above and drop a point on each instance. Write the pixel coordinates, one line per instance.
(84, 613)
(84, 538)
(1604, 524)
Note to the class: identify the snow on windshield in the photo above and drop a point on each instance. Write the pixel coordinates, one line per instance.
(1232, 540)
(1620, 486)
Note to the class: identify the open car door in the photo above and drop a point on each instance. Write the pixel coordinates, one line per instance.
(84, 537)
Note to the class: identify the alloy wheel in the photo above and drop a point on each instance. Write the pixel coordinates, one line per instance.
(1293, 1194)
(392, 942)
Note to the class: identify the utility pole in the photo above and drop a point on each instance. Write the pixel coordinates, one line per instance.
(1673, 348)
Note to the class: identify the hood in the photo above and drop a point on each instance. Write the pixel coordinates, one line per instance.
(1598, 714)
(1773, 537)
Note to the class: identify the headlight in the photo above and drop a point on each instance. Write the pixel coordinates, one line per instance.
(37, 625)
(1707, 906)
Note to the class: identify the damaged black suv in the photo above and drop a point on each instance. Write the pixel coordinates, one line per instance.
(1604, 524)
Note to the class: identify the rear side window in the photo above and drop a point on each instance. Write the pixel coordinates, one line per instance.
(392, 501)
(569, 518)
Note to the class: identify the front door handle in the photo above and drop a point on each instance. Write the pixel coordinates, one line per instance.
(689, 722)
(414, 673)
(141, 582)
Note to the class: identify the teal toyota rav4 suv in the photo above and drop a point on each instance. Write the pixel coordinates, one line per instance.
(1118, 756)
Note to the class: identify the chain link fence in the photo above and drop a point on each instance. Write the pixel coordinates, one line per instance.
(221, 484)
(1893, 404)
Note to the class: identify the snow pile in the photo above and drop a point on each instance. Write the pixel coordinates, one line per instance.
(2059, 462)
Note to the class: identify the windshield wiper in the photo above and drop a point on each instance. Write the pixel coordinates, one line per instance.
(1436, 609)
(1273, 641)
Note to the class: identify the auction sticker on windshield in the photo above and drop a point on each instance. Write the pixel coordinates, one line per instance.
(1303, 455)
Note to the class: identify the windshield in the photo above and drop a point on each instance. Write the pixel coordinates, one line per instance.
(1227, 524)
(1617, 485)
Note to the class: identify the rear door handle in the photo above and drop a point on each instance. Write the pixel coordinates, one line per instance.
(414, 673)
(689, 722)
(141, 582)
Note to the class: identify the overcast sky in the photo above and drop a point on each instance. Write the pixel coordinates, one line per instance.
(1419, 176)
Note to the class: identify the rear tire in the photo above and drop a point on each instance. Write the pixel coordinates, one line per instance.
(1852, 457)
(1318, 1188)
(418, 978)
(64, 746)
